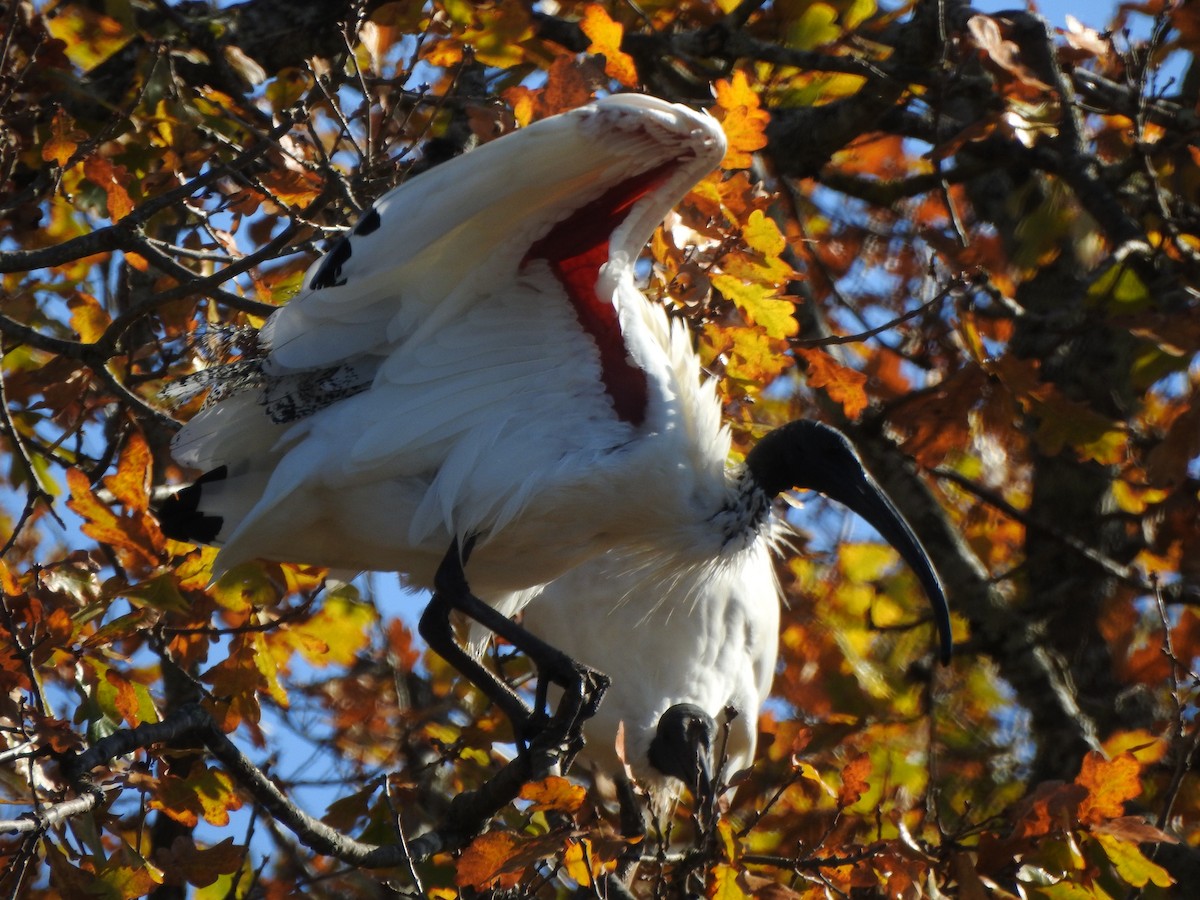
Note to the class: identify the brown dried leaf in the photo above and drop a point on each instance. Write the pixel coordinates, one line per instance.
(854, 780)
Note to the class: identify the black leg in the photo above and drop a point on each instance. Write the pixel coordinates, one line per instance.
(582, 686)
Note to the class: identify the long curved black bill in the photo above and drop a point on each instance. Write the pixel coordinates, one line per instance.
(682, 747)
(811, 455)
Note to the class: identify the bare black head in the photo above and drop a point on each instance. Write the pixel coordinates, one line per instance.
(682, 746)
(813, 456)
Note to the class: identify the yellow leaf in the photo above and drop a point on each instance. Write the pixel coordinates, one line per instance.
(336, 634)
(90, 37)
(743, 119)
(605, 36)
(816, 26)
(723, 884)
(581, 863)
(1131, 864)
(809, 773)
(88, 317)
(763, 235)
(206, 792)
(761, 304)
(1146, 747)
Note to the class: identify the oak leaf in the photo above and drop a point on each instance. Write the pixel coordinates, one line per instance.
(605, 36)
(743, 119)
(111, 179)
(205, 793)
(554, 793)
(1109, 784)
(498, 859)
(63, 139)
(854, 781)
(724, 883)
(1131, 864)
(843, 384)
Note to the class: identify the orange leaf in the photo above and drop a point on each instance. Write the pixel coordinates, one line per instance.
(1109, 784)
(63, 136)
(743, 119)
(554, 793)
(112, 180)
(206, 792)
(842, 384)
(492, 860)
(126, 700)
(290, 187)
(130, 484)
(605, 36)
(854, 780)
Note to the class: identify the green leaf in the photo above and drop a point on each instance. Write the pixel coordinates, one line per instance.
(1131, 864)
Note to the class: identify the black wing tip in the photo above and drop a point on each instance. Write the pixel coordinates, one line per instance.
(180, 518)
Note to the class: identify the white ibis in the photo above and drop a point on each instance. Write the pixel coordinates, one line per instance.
(685, 639)
(473, 366)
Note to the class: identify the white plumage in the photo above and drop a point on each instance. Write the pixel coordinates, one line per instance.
(480, 404)
(705, 635)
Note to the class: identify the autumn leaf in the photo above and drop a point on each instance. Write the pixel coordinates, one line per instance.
(88, 318)
(843, 385)
(605, 36)
(742, 118)
(814, 27)
(130, 484)
(554, 793)
(498, 859)
(581, 862)
(761, 304)
(854, 780)
(291, 187)
(336, 634)
(64, 138)
(89, 37)
(132, 535)
(112, 180)
(1131, 864)
(1109, 783)
(762, 234)
(205, 793)
(201, 866)
(724, 883)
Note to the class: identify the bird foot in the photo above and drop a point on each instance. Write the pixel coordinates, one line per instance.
(583, 689)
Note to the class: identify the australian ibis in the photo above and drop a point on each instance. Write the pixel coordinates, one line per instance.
(685, 639)
(471, 385)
